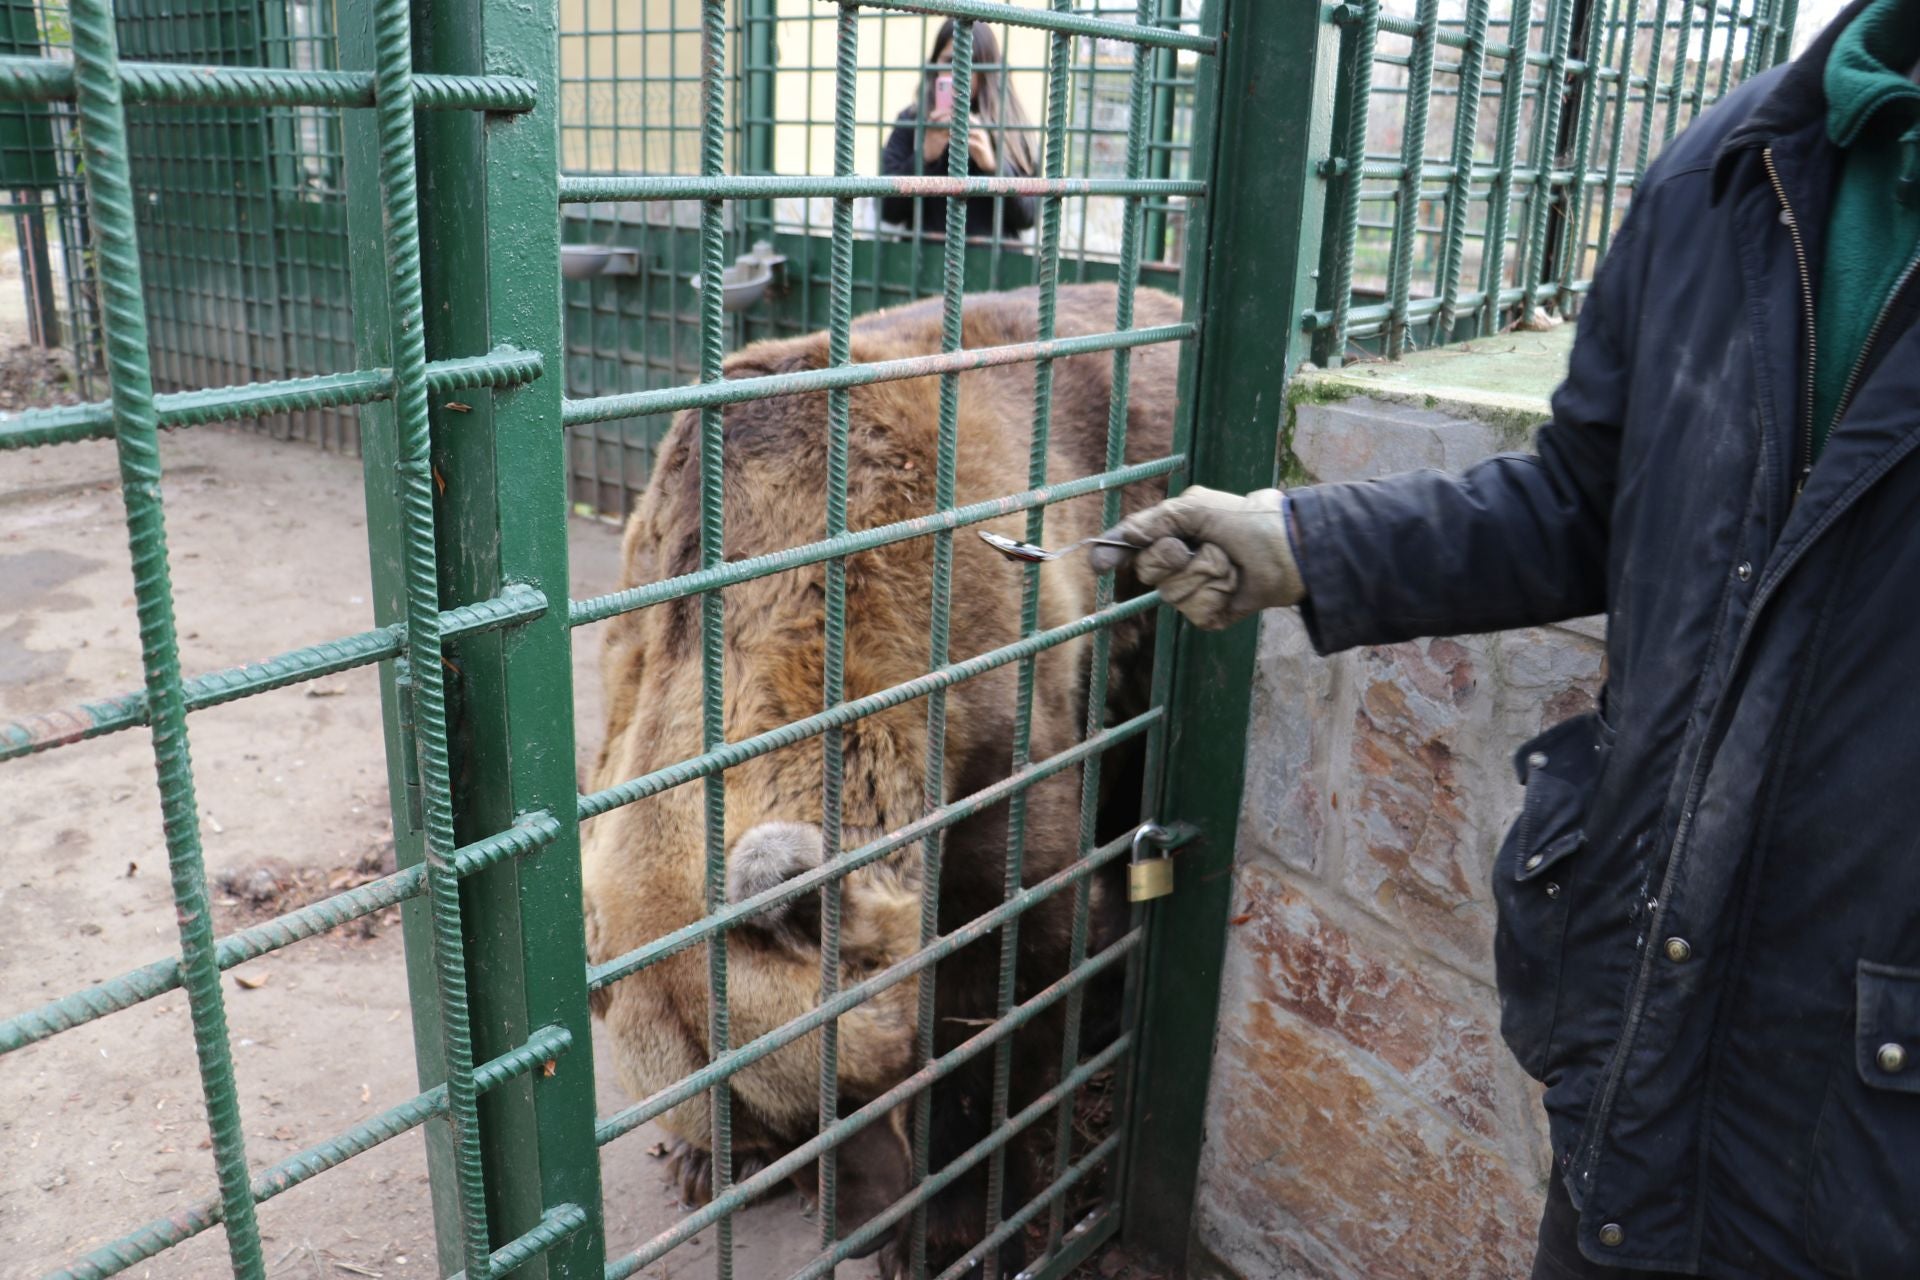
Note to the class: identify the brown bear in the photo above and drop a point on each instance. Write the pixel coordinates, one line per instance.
(644, 864)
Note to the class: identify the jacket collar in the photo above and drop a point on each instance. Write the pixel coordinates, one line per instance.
(1798, 100)
(1861, 81)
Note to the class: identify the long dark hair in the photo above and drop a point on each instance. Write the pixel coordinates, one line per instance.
(995, 103)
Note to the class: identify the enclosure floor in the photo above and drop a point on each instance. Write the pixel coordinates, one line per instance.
(101, 1128)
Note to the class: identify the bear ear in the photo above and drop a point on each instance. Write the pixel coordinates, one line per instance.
(767, 856)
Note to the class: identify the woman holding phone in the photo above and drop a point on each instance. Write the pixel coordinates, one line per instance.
(997, 141)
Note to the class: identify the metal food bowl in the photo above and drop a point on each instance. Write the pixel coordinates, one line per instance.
(746, 281)
(585, 261)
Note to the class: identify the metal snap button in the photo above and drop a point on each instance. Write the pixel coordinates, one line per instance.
(1679, 950)
(1533, 863)
(1892, 1058)
(1743, 570)
(1553, 890)
(1613, 1235)
(1538, 760)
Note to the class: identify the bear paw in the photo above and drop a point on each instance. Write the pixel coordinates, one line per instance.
(690, 1172)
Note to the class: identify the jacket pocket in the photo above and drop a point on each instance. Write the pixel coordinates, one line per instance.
(1863, 1190)
(1561, 770)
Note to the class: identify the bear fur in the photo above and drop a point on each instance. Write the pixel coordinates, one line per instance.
(645, 863)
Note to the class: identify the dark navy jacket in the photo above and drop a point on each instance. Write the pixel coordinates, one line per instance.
(1709, 939)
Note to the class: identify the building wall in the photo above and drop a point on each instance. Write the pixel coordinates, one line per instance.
(1365, 1118)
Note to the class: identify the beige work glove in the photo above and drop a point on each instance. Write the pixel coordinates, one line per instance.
(1216, 557)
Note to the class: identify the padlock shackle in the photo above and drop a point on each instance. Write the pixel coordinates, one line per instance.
(1149, 833)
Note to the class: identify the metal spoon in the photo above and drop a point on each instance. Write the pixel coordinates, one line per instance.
(1013, 549)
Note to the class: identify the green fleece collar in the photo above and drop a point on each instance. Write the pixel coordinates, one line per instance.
(1869, 67)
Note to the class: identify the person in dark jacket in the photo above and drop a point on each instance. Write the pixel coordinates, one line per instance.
(997, 141)
(1708, 945)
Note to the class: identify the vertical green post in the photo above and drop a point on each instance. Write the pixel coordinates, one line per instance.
(1413, 152)
(1589, 94)
(953, 285)
(1644, 148)
(36, 270)
(833, 683)
(1616, 145)
(1674, 93)
(1783, 32)
(1059, 85)
(267, 338)
(490, 235)
(1466, 132)
(136, 423)
(1166, 67)
(1326, 346)
(1513, 88)
(1137, 108)
(1264, 119)
(420, 570)
(390, 179)
(1734, 23)
(1356, 60)
(379, 458)
(1699, 95)
(1758, 53)
(713, 337)
(757, 71)
(1546, 145)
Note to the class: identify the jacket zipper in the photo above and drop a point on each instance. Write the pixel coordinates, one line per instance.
(1592, 1138)
(1805, 457)
(1594, 1135)
(1873, 336)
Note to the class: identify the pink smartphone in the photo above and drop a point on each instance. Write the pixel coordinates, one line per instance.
(943, 94)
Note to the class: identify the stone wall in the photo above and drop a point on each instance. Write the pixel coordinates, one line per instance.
(1365, 1118)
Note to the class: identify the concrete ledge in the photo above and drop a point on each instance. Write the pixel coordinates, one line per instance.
(1509, 377)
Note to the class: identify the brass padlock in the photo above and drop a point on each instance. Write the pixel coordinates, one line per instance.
(1149, 878)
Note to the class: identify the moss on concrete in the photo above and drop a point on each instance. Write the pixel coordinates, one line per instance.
(1504, 381)
(1316, 387)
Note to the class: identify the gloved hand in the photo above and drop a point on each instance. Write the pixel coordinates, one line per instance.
(1216, 557)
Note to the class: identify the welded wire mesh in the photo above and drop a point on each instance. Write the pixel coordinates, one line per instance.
(631, 102)
(1485, 150)
(215, 258)
(1071, 1213)
(244, 250)
(228, 111)
(1458, 172)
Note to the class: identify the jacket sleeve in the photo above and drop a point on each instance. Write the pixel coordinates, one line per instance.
(1517, 540)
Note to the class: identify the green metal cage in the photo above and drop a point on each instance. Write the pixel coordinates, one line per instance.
(1550, 111)
(451, 173)
(630, 89)
(281, 306)
(439, 134)
(1541, 152)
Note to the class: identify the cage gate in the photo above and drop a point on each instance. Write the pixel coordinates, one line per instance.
(454, 188)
